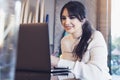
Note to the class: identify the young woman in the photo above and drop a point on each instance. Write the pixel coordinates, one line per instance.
(84, 49)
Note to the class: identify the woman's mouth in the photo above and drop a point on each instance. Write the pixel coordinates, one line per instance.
(68, 27)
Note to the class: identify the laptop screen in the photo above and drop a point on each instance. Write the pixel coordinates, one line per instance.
(33, 52)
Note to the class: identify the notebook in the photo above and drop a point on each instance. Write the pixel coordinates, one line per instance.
(33, 54)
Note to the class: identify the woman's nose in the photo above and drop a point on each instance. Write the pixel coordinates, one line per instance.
(67, 21)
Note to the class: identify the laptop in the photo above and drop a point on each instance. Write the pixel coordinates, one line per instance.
(33, 54)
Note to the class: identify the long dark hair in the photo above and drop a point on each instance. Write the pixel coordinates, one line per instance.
(78, 10)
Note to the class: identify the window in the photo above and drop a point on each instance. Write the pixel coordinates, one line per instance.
(115, 37)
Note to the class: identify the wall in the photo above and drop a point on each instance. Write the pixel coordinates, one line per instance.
(104, 18)
(50, 8)
(50, 5)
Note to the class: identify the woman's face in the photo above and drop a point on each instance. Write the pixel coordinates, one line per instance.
(70, 23)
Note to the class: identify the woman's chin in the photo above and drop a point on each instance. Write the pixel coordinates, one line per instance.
(70, 31)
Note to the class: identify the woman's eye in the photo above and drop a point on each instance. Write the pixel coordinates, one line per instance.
(72, 17)
(63, 18)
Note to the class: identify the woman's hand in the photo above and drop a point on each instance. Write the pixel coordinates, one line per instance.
(54, 60)
(68, 56)
(67, 46)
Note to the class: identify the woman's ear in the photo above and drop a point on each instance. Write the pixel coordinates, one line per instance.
(83, 21)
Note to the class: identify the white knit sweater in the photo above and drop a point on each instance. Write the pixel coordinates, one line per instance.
(93, 66)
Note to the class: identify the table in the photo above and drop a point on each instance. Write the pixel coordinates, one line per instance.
(44, 76)
(40, 75)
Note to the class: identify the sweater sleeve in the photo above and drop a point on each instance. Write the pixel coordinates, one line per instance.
(66, 63)
(96, 68)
